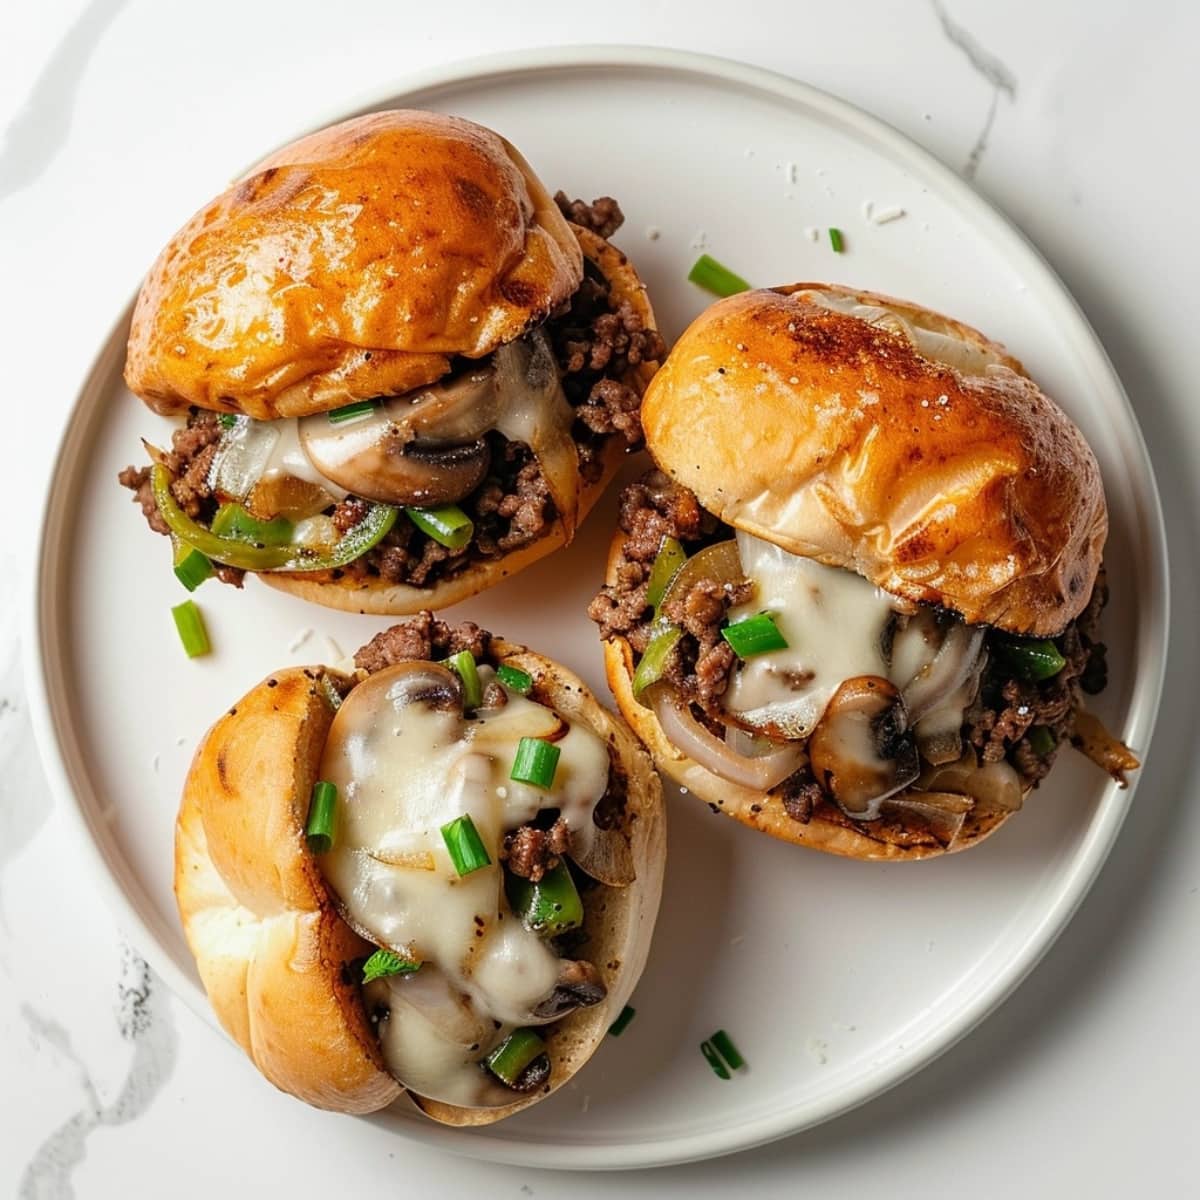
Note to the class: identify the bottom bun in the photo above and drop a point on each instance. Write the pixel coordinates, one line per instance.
(903, 837)
(376, 596)
(273, 953)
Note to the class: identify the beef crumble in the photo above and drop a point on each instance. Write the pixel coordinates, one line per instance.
(597, 338)
(1021, 721)
(423, 638)
(531, 852)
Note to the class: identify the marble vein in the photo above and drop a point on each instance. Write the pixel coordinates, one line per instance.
(39, 130)
(1000, 79)
(143, 1020)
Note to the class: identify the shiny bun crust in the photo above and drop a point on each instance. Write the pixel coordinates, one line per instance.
(274, 955)
(836, 440)
(399, 599)
(353, 263)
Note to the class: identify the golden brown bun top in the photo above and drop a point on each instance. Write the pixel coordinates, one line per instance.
(352, 263)
(837, 440)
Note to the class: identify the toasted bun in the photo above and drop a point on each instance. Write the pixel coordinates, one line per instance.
(837, 440)
(269, 944)
(353, 263)
(400, 599)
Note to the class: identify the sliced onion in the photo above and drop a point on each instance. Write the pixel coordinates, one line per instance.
(946, 673)
(534, 410)
(1091, 738)
(944, 812)
(992, 785)
(720, 563)
(241, 457)
(685, 733)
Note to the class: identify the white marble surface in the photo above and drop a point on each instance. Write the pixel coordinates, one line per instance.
(1076, 120)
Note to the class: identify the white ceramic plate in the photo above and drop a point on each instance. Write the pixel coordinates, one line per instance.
(837, 979)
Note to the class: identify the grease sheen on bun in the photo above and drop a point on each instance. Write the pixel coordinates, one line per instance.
(273, 953)
(836, 439)
(352, 263)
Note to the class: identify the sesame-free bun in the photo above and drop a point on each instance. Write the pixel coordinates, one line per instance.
(353, 263)
(837, 439)
(273, 953)
(377, 596)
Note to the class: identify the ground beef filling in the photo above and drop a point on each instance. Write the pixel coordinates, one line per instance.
(998, 724)
(597, 339)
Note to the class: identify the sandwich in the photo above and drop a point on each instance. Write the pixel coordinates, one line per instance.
(432, 871)
(400, 370)
(857, 606)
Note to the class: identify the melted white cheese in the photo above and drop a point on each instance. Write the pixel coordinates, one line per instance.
(968, 357)
(403, 770)
(287, 457)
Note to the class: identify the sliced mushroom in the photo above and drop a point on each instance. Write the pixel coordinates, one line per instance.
(862, 751)
(938, 654)
(604, 855)
(425, 447)
(418, 683)
(579, 985)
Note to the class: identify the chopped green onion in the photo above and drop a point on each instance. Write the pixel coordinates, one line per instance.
(332, 696)
(549, 907)
(654, 661)
(463, 664)
(351, 412)
(1033, 659)
(709, 274)
(714, 1060)
(191, 567)
(535, 762)
(515, 679)
(321, 827)
(619, 1026)
(723, 1044)
(837, 241)
(510, 1059)
(190, 626)
(383, 963)
(233, 521)
(467, 851)
(754, 635)
(1042, 740)
(670, 557)
(449, 526)
(228, 420)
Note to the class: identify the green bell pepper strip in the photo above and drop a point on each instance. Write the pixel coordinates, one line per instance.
(654, 661)
(249, 557)
(233, 521)
(670, 557)
(549, 907)
(1033, 659)
(510, 1059)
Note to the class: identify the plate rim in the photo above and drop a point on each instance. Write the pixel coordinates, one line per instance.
(420, 86)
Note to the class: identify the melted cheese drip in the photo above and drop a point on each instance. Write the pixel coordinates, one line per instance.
(403, 770)
(835, 624)
(965, 356)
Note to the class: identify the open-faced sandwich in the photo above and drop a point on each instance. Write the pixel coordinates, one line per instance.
(858, 606)
(401, 372)
(434, 871)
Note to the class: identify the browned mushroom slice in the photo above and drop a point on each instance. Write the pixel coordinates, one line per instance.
(579, 985)
(862, 751)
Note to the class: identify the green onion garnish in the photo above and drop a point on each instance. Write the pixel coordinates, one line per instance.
(714, 1060)
(227, 420)
(515, 679)
(467, 851)
(535, 762)
(449, 526)
(191, 567)
(233, 521)
(723, 1044)
(509, 1059)
(754, 635)
(383, 963)
(1042, 740)
(549, 907)
(619, 1025)
(654, 661)
(1033, 659)
(670, 557)
(837, 241)
(713, 277)
(321, 828)
(351, 412)
(190, 625)
(463, 664)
